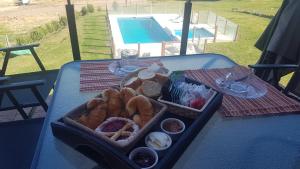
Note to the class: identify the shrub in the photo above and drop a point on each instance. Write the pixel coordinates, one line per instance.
(63, 21)
(49, 27)
(90, 8)
(41, 31)
(83, 11)
(99, 9)
(23, 40)
(36, 35)
(55, 25)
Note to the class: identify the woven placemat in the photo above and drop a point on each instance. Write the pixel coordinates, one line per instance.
(95, 76)
(273, 102)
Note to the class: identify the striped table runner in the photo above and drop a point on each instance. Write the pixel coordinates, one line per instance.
(95, 76)
(273, 102)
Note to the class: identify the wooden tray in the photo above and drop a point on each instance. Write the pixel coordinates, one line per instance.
(108, 156)
(70, 119)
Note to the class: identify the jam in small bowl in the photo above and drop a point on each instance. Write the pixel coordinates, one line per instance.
(144, 157)
(172, 126)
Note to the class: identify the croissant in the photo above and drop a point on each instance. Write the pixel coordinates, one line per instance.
(96, 115)
(143, 106)
(93, 103)
(126, 94)
(114, 102)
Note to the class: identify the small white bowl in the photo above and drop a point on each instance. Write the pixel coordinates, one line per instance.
(172, 134)
(160, 150)
(144, 149)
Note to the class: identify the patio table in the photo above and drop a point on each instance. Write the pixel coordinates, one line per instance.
(229, 143)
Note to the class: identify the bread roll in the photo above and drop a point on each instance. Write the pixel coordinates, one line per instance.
(133, 83)
(151, 88)
(146, 74)
(161, 78)
(139, 90)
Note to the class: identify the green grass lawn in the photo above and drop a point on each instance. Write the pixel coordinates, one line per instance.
(94, 37)
(251, 27)
(55, 49)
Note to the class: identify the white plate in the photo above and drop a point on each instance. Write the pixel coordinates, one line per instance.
(249, 89)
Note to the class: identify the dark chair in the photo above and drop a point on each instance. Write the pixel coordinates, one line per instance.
(292, 89)
(18, 143)
(24, 90)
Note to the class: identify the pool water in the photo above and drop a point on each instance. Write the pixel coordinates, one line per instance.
(202, 32)
(142, 30)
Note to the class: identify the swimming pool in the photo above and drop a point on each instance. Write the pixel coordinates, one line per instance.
(202, 32)
(142, 30)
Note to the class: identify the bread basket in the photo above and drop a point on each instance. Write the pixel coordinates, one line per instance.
(71, 119)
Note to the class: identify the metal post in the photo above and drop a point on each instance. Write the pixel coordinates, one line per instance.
(193, 34)
(163, 48)
(198, 18)
(225, 26)
(216, 32)
(139, 49)
(73, 30)
(208, 13)
(204, 47)
(199, 40)
(185, 26)
(216, 20)
(236, 33)
(7, 41)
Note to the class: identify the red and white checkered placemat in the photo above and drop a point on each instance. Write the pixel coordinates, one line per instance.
(95, 76)
(273, 102)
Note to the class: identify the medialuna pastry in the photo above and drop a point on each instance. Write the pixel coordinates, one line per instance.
(143, 107)
(113, 103)
(96, 115)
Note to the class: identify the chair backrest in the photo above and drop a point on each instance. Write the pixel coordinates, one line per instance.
(293, 85)
(8, 50)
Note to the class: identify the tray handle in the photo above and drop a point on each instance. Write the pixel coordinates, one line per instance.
(91, 147)
(89, 151)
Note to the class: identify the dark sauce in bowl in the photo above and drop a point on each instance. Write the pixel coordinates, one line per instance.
(144, 159)
(172, 126)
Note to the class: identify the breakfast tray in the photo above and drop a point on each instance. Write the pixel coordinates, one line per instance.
(109, 156)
